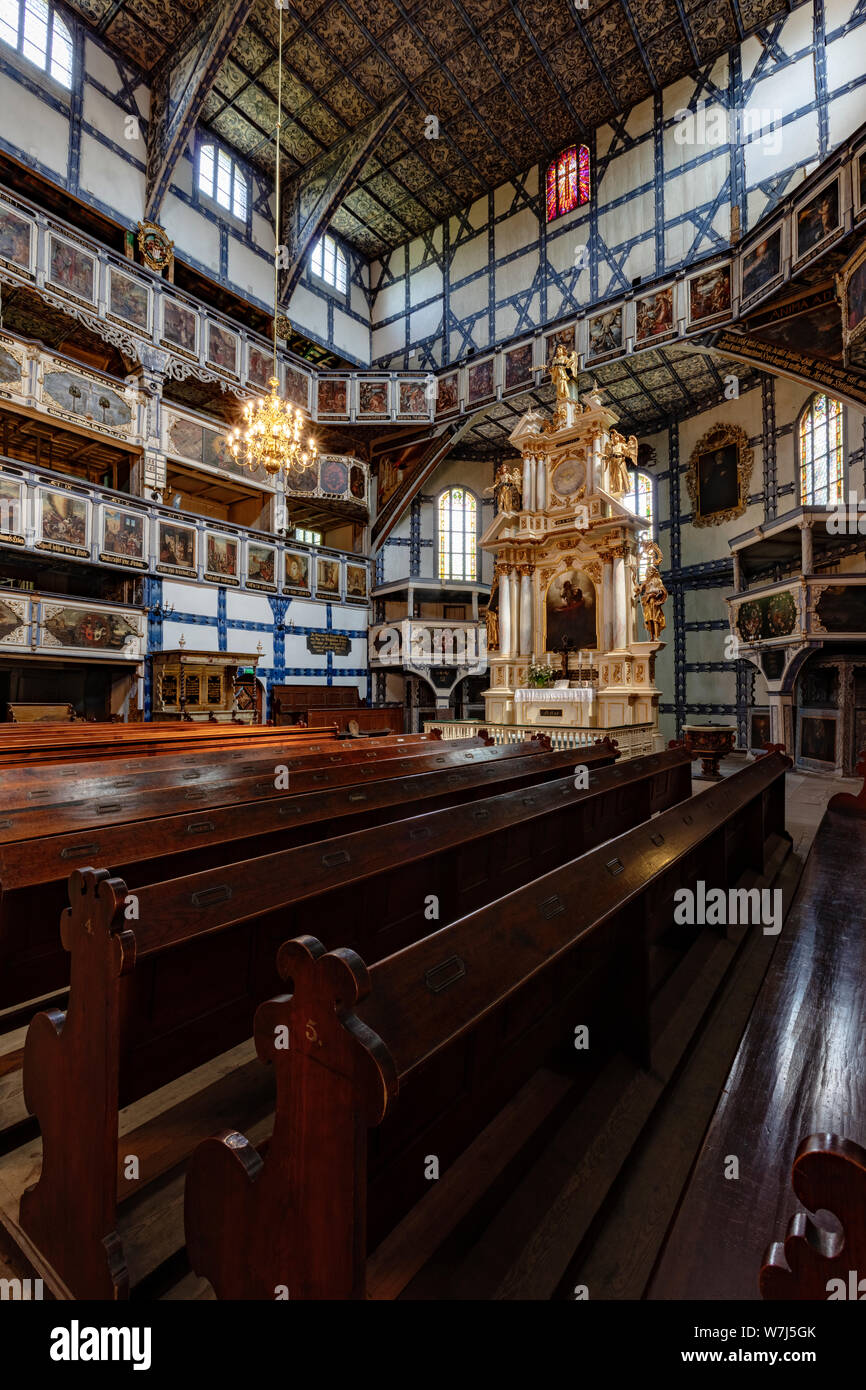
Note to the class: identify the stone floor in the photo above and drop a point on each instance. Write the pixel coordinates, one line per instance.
(806, 797)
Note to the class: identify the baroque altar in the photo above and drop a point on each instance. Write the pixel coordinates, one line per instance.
(577, 586)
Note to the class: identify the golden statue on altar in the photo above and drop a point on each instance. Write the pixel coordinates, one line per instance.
(507, 488)
(652, 594)
(618, 454)
(563, 374)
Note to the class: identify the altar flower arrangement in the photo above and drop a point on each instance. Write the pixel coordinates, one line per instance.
(539, 675)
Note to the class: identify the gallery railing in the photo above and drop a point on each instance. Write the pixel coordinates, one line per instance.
(634, 739)
(48, 513)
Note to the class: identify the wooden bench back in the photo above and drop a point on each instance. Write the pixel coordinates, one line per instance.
(33, 873)
(458, 1020)
(140, 1034)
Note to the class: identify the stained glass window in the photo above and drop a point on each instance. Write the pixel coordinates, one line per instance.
(640, 501)
(821, 453)
(568, 181)
(457, 534)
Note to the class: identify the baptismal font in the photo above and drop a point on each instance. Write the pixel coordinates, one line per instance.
(573, 573)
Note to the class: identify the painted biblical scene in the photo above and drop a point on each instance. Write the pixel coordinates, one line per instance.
(176, 548)
(570, 612)
(15, 238)
(260, 369)
(123, 534)
(480, 381)
(605, 333)
(74, 627)
(62, 522)
(72, 269)
(818, 219)
(222, 349)
(328, 576)
(373, 399)
(710, 294)
(413, 398)
(129, 300)
(332, 397)
(356, 581)
(762, 266)
(221, 557)
(297, 573)
(179, 326)
(261, 566)
(654, 315)
(447, 393)
(518, 367)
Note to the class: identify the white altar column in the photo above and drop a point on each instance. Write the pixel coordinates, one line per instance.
(525, 610)
(514, 599)
(504, 610)
(620, 634)
(540, 482)
(528, 483)
(607, 607)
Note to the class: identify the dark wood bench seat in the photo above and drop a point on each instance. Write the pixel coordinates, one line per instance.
(424, 1047)
(33, 873)
(221, 929)
(800, 1071)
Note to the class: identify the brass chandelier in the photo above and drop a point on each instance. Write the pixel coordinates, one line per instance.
(270, 436)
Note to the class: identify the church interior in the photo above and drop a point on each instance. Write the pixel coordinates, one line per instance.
(433, 653)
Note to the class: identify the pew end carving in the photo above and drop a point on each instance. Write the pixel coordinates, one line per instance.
(813, 1263)
(334, 1080)
(70, 1211)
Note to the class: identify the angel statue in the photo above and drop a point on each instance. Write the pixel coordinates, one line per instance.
(652, 594)
(507, 488)
(619, 453)
(563, 374)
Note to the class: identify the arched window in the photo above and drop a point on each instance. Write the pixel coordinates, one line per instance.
(568, 181)
(457, 534)
(220, 177)
(821, 452)
(36, 31)
(328, 261)
(640, 501)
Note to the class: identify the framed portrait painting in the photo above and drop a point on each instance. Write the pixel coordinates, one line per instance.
(719, 474)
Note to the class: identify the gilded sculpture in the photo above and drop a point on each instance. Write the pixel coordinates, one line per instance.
(618, 454)
(652, 594)
(507, 488)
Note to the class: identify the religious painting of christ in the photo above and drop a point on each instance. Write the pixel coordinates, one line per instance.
(570, 612)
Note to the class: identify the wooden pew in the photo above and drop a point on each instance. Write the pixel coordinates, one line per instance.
(795, 1088)
(33, 873)
(223, 824)
(142, 797)
(424, 1048)
(62, 774)
(31, 744)
(222, 928)
(75, 783)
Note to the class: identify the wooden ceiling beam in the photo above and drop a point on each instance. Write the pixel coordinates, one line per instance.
(179, 88)
(312, 195)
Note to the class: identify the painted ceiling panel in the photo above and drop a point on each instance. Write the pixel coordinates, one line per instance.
(509, 81)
